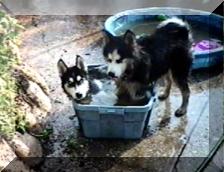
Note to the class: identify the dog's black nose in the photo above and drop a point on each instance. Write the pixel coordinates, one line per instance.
(78, 95)
(111, 74)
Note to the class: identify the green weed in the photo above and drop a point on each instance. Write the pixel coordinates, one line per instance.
(10, 116)
(45, 135)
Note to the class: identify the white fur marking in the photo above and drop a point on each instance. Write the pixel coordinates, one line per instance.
(114, 67)
(117, 68)
(177, 21)
(82, 89)
(71, 80)
(172, 20)
(78, 78)
(70, 91)
(190, 37)
(114, 55)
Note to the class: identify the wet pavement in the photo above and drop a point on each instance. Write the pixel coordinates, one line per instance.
(48, 38)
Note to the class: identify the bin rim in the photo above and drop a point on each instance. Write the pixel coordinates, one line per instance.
(96, 108)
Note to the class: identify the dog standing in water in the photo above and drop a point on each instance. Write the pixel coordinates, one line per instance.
(136, 63)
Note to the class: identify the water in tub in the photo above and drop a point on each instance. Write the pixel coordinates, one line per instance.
(107, 94)
(107, 87)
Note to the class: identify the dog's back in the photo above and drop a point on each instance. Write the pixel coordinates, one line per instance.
(169, 47)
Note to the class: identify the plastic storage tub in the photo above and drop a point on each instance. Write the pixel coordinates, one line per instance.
(124, 122)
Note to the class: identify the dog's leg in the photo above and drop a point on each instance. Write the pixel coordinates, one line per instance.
(185, 91)
(166, 90)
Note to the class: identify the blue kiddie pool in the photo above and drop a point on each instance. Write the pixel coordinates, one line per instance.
(207, 30)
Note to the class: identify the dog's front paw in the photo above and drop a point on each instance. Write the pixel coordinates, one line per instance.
(180, 112)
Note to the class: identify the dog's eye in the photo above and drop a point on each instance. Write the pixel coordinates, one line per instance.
(118, 61)
(109, 60)
(80, 81)
(70, 82)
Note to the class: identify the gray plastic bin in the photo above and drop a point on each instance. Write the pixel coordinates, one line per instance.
(125, 122)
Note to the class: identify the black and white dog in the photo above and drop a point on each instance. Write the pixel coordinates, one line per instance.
(137, 62)
(75, 81)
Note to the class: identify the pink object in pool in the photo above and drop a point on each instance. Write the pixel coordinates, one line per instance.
(206, 45)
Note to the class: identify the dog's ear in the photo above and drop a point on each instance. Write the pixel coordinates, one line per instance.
(80, 63)
(129, 38)
(107, 37)
(62, 67)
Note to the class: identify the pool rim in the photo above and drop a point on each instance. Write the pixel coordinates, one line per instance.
(145, 11)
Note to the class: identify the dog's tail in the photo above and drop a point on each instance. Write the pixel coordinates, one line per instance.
(175, 27)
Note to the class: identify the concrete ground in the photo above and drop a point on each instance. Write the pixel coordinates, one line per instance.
(99, 7)
(48, 38)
